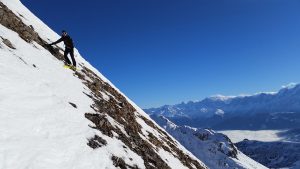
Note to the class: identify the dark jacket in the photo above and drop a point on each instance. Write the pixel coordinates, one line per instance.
(67, 40)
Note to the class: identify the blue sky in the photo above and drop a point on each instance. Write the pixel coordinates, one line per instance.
(168, 51)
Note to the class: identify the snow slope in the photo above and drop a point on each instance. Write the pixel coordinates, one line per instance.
(52, 117)
(214, 149)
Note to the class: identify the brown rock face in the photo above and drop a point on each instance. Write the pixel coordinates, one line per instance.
(116, 107)
(11, 21)
(27, 33)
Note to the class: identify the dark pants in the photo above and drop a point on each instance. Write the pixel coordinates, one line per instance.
(71, 51)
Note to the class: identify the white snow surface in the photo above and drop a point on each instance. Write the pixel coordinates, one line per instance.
(168, 158)
(39, 129)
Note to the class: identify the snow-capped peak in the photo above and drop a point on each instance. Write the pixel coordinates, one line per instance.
(220, 97)
(289, 86)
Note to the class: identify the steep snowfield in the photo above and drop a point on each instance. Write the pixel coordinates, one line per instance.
(43, 113)
(39, 128)
(37, 122)
(214, 149)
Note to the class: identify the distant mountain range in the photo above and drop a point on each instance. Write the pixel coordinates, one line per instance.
(277, 110)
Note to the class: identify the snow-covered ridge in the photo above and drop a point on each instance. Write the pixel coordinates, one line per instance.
(52, 117)
(215, 149)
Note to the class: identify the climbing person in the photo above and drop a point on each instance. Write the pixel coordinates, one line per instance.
(69, 48)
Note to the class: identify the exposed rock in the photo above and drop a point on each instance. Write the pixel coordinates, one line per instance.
(96, 142)
(11, 21)
(119, 162)
(73, 105)
(27, 33)
(8, 43)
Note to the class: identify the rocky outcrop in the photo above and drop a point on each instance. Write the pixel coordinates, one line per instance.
(27, 33)
(11, 21)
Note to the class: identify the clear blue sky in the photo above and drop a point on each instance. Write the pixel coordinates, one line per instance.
(167, 51)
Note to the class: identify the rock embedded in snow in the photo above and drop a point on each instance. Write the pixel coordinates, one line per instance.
(7, 43)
